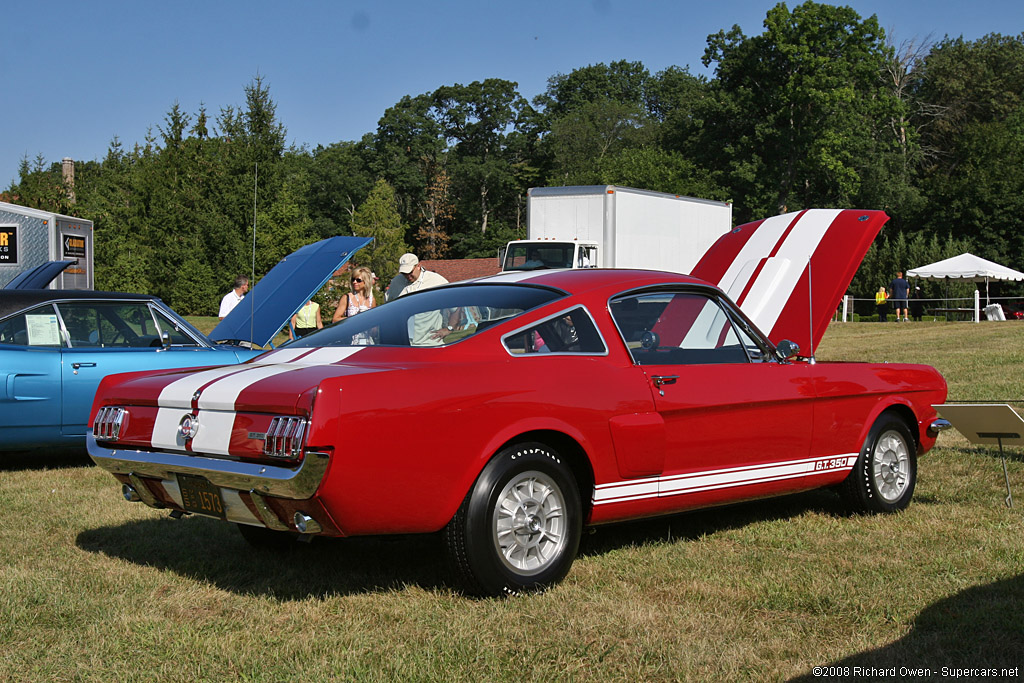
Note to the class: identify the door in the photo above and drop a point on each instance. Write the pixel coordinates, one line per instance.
(736, 420)
(30, 407)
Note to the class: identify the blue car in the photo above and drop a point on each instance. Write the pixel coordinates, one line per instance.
(56, 345)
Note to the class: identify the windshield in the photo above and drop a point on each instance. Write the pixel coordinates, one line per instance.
(433, 317)
(533, 256)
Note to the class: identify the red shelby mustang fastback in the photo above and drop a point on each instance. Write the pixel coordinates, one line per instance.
(514, 410)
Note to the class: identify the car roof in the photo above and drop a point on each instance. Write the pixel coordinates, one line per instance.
(13, 301)
(577, 281)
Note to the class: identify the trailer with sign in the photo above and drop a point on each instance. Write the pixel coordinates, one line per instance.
(30, 237)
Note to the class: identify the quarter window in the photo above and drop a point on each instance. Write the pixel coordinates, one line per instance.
(38, 327)
(569, 332)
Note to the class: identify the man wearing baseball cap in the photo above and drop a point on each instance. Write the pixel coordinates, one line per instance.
(428, 328)
(417, 276)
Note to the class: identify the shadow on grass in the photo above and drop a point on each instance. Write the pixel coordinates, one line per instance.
(209, 550)
(44, 459)
(979, 628)
(692, 525)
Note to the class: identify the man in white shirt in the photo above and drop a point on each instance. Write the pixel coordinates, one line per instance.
(231, 299)
(418, 277)
(428, 328)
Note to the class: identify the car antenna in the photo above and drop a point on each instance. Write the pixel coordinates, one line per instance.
(252, 278)
(810, 311)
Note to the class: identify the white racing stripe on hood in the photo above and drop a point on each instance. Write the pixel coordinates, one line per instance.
(769, 293)
(757, 247)
(800, 244)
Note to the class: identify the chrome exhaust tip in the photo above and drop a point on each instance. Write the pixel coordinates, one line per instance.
(305, 524)
(130, 494)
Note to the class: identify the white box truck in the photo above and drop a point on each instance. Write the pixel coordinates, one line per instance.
(606, 226)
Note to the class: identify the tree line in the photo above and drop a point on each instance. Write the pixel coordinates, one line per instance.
(821, 109)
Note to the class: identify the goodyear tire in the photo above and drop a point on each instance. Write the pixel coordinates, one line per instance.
(519, 527)
(884, 477)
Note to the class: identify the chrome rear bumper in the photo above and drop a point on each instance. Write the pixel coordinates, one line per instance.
(938, 425)
(297, 483)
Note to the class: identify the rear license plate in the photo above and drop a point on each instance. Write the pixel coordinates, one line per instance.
(200, 496)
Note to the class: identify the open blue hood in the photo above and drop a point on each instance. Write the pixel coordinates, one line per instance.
(40, 276)
(284, 290)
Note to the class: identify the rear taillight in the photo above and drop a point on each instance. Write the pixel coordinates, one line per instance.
(285, 437)
(110, 423)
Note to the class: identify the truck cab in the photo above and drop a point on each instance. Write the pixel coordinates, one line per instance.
(545, 254)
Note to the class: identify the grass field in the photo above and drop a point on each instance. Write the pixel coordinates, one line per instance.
(93, 588)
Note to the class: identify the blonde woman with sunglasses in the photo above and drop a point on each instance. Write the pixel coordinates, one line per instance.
(359, 299)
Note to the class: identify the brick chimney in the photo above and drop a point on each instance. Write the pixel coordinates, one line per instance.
(68, 167)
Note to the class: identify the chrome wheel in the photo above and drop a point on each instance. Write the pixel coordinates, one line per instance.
(884, 476)
(519, 526)
(891, 466)
(529, 523)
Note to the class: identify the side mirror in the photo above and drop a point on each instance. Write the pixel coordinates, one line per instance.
(165, 339)
(786, 350)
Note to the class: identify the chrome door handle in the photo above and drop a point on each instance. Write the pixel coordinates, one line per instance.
(75, 366)
(661, 380)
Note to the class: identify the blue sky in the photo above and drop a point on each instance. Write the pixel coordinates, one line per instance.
(79, 73)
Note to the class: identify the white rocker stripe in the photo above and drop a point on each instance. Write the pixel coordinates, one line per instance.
(695, 482)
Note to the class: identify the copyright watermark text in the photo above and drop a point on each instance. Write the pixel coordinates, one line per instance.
(914, 672)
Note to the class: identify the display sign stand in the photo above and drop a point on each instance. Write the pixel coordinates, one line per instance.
(987, 424)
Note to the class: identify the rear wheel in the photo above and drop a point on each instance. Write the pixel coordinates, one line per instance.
(519, 527)
(885, 475)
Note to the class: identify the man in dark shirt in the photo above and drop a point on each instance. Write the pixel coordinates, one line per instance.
(900, 288)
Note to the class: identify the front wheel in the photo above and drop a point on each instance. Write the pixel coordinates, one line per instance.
(519, 527)
(885, 474)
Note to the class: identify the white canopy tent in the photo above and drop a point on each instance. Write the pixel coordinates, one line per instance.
(967, 267)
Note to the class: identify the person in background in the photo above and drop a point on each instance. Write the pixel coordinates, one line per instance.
(306, 321)
(430, 327)
(900, 288)
(231, 299)
(417, 276)
(916, 304)
(359, 299)
(882, 303)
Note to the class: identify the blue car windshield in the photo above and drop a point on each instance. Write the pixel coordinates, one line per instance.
(433, 317)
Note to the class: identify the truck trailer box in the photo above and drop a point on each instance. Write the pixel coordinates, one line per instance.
(607, 226)
(30, 237)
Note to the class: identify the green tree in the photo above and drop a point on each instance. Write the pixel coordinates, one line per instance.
(378, 218)
(480, 122)
(971, 113)
(408, 142)
(798, 109)
(339, 180)
(595, 112)
(653, 168)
